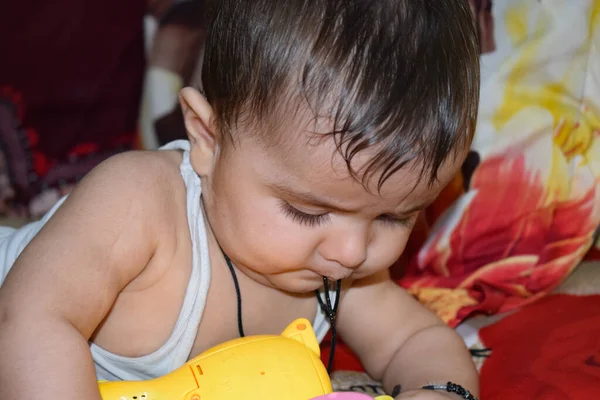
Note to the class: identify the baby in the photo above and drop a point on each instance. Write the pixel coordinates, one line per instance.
(324, 126)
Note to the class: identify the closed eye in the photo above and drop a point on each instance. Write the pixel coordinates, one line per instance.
(302, 218)
(394, 221)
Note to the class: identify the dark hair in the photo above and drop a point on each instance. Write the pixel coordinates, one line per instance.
(402, 75)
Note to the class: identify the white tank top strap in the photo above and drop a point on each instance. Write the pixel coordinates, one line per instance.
(197, 290)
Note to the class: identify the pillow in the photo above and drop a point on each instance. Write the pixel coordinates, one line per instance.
(524, 211)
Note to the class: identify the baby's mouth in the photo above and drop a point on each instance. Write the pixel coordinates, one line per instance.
(340, 276)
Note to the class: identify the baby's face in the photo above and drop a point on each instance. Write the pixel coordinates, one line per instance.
(290, 214)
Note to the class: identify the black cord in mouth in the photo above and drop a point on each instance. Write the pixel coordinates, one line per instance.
(330, 312)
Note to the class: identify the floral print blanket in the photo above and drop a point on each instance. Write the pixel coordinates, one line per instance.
(526, 209)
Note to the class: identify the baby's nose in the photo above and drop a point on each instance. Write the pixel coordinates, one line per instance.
(352, 256)
(349, 249)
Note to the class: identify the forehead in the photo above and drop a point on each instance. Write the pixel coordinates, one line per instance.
(310, 162)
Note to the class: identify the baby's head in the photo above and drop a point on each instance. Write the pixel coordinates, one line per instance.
(326, 125)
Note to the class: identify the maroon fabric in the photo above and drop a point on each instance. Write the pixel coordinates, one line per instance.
(70, 86)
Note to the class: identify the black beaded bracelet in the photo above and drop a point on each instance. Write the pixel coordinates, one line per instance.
(452, 388)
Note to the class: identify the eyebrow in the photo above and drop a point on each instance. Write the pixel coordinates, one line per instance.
(313, 199)
(421, 206)
(308, 197)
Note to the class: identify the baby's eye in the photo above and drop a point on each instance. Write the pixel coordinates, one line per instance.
(394, 221)
(310, 220)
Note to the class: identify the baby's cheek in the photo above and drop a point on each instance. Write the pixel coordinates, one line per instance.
(388, 247)
(280, 247)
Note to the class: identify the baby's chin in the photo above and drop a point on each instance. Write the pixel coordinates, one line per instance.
(299, 282)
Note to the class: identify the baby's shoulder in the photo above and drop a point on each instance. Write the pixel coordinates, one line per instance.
(149, 178)
(149, 165)
(156, 168)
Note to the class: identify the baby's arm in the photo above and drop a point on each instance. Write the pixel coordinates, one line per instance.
(67, 279)
(401, 343)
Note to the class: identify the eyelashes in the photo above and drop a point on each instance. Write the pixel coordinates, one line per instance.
(302, 218)
(391, 221)
(314, 220)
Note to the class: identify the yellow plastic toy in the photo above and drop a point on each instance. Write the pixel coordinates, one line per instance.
(285, 367)
(267, 367)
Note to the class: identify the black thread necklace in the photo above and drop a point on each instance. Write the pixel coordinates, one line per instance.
(331, 313)
(326, 307)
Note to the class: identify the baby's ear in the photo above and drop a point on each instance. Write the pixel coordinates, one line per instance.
(198, 117)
